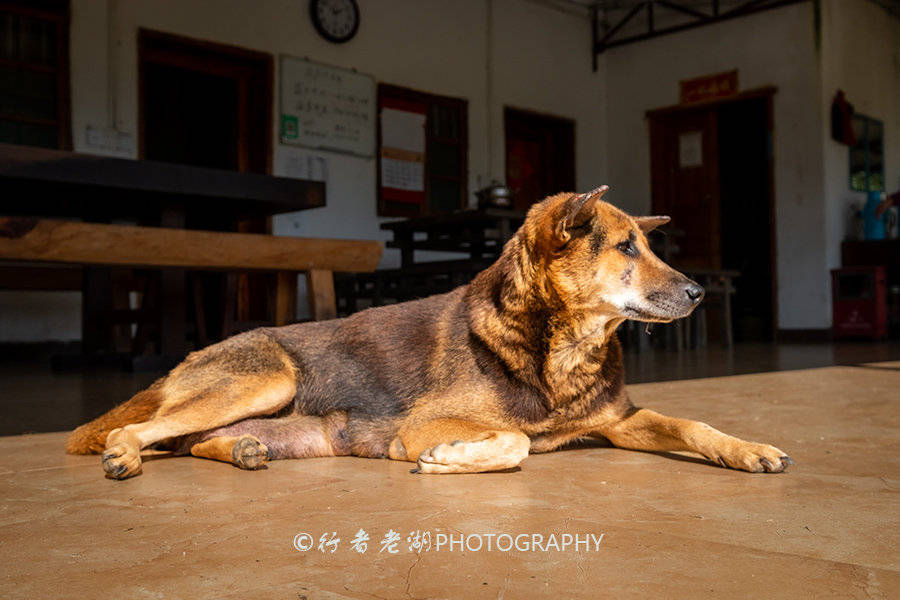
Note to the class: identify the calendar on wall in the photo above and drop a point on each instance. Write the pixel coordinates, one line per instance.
(402, 150)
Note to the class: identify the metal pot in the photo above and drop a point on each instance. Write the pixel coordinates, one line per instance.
(495, 195)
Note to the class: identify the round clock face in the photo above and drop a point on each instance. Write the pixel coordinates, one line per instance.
(335, 20)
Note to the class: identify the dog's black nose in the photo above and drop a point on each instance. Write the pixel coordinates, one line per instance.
(694, 292)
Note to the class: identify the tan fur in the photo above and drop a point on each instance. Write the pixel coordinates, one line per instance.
(644, 429)
(243, 451)
(90, 438)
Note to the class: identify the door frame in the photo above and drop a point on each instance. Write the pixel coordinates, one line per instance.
(570, 125)
(252, 68)
(766, 93)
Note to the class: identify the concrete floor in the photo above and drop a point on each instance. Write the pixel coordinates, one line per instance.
(673, 526)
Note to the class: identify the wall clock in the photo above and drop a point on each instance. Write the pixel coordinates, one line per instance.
(336, 20)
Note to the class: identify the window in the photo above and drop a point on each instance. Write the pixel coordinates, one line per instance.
(867, 155)
(445, 168)
(34, 73)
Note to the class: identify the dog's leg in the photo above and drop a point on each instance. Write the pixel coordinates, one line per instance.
(456, 446)
(244, 451)
(643, 429)
(213, 388)
(248, 444)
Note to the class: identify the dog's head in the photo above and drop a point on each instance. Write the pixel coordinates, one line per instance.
(594, 257)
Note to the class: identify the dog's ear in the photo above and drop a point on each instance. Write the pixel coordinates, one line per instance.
(575, 210)
(648, 224)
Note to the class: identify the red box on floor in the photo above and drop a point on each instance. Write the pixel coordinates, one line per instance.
(859, 302)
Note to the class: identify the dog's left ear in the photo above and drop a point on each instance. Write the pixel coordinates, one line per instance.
(577, 206)
(648, 224)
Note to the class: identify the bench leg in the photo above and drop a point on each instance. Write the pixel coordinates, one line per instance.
(173, 329)
(286, 298)
(320, 290)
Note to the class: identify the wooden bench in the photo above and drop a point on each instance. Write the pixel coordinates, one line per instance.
(52, 241)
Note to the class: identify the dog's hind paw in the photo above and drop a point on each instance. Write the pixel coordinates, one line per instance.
(121, 462)
(249, 453)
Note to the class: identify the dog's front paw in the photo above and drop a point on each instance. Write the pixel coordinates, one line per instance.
(495, 452)
(753, 457)
(121, 462)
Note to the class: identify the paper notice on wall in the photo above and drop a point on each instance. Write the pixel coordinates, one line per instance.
(402, 150)
(690, 149)
(104, 141)
(327, 107)
(301, 165)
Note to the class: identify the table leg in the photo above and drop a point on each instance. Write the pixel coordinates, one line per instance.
(96, 304)
(173, 315)
(505, 230)
(726, 314)
(320, 289)
(405, 240)
(286, 298)
(173, 332)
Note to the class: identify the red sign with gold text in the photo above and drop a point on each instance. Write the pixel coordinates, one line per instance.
(709, 87)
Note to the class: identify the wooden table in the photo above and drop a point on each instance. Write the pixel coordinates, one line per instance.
(56, 183)
(478, 233)
(37, 182)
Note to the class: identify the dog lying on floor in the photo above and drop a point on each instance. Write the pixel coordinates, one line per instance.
(523, 359)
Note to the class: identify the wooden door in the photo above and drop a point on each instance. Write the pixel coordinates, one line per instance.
(540, 156)
(684, 164)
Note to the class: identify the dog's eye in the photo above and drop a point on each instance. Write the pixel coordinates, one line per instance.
(627, 248)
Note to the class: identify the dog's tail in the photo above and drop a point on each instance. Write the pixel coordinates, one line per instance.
(90, 438)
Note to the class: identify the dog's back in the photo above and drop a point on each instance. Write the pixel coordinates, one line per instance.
(378, 361)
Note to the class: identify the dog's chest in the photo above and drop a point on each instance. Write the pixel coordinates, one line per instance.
(530, 410)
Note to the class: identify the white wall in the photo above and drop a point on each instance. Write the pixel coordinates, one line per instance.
(40, 316)
(438, 47)
(770, 48)
(860, 55)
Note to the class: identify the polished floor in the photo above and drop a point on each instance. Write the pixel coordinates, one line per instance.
(672, 526)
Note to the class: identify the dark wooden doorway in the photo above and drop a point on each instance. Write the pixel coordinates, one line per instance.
(209, 105)
(540, 155)
(204, 104)
(685, 182)
(712, 172)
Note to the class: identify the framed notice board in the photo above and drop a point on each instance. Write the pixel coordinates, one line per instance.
(327, 107)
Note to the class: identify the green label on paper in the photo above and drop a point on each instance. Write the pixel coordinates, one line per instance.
(290, 127)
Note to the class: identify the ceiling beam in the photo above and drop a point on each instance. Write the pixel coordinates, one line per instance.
(607, 39)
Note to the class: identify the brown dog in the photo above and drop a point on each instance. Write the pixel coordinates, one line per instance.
(523, 359)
